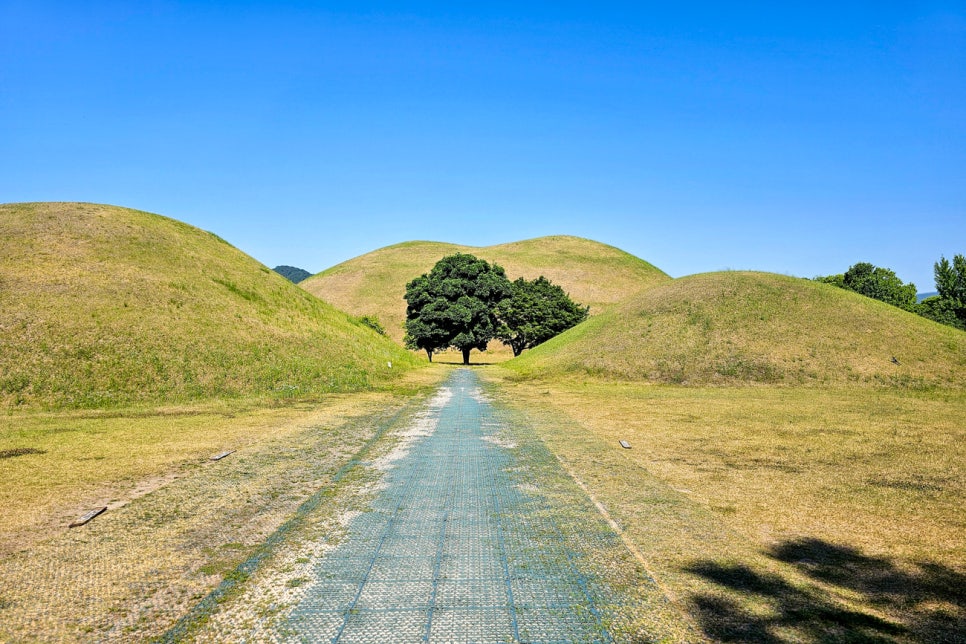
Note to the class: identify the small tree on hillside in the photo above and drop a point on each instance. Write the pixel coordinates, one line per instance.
(949, 307)
(536, 311)
(880, 284)
(875, 282)
(453, 305)
(951, 278)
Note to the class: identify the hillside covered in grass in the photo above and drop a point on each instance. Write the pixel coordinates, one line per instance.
(374, 284)
(102, 306)
(747, 327)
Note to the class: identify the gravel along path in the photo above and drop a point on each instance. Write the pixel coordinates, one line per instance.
(472, 533)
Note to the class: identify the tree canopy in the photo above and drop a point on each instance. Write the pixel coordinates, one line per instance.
(454, 305)
(292, 273)
(536, 311)
(875, 282)
(951, 278)
(880, 284)
(949, 307)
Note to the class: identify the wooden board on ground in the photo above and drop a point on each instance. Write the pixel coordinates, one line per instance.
(87, 517)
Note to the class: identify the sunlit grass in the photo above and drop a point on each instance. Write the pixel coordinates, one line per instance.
(105, 307)
(59, 463)
(780, 489)
(746, 328)
(178, 522)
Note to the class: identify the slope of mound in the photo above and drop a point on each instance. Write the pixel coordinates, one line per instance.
(102, 306)
(737, 327)
(594, 274)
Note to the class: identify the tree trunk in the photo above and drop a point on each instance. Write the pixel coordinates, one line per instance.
(430, 354)
(466, 356)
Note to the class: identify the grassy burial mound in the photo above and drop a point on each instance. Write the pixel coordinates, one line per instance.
(746, 327)
(593, 274)
(104, 306)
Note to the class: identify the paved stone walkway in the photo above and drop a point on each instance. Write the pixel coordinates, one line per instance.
(454, 548)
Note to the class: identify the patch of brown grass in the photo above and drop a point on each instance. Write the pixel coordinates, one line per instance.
(178, 522)
(778, 513)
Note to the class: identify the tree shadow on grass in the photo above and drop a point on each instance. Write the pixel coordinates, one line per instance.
(925, 602)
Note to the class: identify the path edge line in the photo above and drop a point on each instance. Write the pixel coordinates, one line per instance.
(244, 570)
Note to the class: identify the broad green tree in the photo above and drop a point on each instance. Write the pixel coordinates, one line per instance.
(454, 305)
(880, 284)
(875, 282)
(536, 311)
(948, 307)
(942, 310)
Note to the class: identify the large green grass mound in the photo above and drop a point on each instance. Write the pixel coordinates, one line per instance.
(374, 284)
(102, 306)
(745, 327)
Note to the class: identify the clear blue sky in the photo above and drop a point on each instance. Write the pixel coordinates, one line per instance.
(794, 138)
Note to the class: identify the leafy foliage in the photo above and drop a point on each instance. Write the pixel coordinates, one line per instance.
(949, 307)
(592, 273)
(951, 278)
(876, 282)
(536, 311)
(942, 310)
(372, 323)
(880, 284)
(292, 274)
(454, 305)
(834, 280)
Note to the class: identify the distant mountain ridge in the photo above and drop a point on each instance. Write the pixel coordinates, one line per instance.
(292, 273)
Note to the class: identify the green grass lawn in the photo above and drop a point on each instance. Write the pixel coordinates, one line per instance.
(107, 307)
(744, 327)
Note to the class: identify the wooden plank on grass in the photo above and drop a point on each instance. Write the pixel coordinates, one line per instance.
(87, 517)
(625, 445)
(221, 455)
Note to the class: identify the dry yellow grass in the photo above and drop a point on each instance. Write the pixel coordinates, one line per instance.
(778, 514)
(178, 522)
(743, 327)
(374, 284)
(91, 459)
